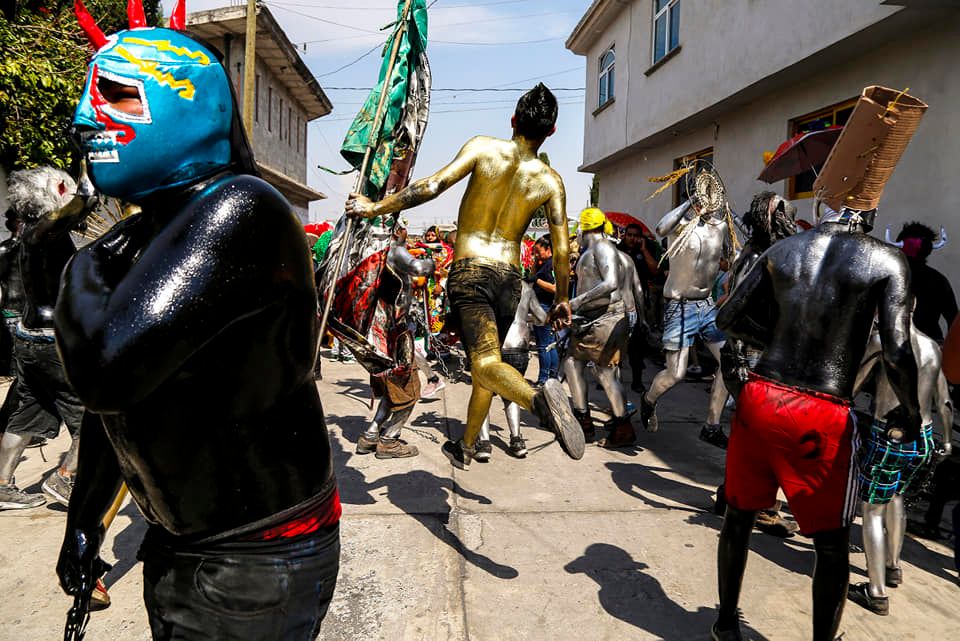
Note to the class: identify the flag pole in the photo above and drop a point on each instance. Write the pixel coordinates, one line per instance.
(364, 167)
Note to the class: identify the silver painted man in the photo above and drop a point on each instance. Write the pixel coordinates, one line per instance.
(689, 311)
(889, 469)
(600, 328)
(515, 352)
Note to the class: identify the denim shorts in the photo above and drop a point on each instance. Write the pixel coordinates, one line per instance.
(684, 320)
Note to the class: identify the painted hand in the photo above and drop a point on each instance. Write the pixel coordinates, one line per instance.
(560, 316)
(359, 205)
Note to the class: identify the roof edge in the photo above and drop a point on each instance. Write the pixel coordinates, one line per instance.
(597, 17)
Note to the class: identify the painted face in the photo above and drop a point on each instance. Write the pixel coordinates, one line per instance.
(155, 113)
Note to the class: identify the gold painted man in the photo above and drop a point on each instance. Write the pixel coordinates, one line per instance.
(508, 183)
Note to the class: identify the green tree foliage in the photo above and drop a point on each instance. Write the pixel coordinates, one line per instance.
(43, 63)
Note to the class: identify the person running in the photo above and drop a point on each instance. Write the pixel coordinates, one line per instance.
(508, 183)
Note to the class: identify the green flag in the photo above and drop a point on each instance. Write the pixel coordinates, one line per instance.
(412, 45)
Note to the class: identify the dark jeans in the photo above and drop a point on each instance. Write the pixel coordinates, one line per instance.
(636, 348)
(242, 591)
(549, 358)
(483, 296)
(46, 397)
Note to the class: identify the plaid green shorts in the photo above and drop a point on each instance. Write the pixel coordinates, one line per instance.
(888, 468)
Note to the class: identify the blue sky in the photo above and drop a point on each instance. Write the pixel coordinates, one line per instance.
(488, 54)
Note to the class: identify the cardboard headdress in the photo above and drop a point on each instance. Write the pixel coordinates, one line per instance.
(865, 155)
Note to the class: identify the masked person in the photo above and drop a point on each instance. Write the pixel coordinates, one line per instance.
(688, 309)
(190, 329)
(51, 205)
(508, 183)
(399, 386)
(600, 330)
(11, 291)
(933, 293)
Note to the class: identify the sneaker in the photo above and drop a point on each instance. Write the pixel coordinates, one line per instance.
(551, 405)
(894, 577)
(37, 441)
(432, 388)
(395, 448)
(458, 453)
(725, 635)
(648, 414)
(366, 445)
(13, 498)
(484, 451)
(58, 487)
(518, 446)
(621, 434)
(586, 424)
(860, 594)
(713, 434)
(99, 598)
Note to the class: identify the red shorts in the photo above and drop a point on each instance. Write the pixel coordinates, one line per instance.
(802, 441)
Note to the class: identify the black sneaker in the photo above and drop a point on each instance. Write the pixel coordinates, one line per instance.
(37, 441)
(713, 434)
(552, 406)
(648, 414)
(484, 451)
(518, 446)
(13, 498)
(894, 577)
(58, 487)
(459, 455)
(859, 594)
(725, 635)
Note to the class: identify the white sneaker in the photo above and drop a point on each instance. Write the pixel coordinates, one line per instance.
(432, 388)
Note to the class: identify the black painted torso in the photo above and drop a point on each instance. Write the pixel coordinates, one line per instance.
(812, 300)
(42, 260)
(192, 328)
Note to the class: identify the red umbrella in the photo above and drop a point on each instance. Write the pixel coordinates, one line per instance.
(621, 219)
(801, 153)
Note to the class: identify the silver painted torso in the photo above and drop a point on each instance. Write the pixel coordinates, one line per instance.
(693, 269)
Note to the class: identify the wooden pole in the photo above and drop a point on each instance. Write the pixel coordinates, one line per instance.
(365, 165)
(250, 68)
(115, 507)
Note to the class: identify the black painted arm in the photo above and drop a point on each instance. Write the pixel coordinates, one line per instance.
(97, 483)
(898, 357)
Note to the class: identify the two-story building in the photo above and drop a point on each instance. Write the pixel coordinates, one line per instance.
(286, 97)
(672, 79)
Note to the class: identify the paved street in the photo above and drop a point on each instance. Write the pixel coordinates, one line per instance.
(620, 545)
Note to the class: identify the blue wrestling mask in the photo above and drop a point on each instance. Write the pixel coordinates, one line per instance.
(157, 108)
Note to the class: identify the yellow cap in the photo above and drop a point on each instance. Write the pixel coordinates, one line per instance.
(592, 218)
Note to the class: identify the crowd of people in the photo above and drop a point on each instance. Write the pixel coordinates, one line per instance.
(180, 348)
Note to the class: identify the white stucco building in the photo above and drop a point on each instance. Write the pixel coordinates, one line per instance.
(668, 79)
(288, 96)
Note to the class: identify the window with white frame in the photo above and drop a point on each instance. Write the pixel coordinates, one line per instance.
(666, 28)
(606, 78)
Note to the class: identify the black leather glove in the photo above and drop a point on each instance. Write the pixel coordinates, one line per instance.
(80, 565)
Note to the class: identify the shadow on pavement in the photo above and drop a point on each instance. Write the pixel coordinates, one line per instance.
(642, 481)
(635, 597)
(421, 495)
(126, 544)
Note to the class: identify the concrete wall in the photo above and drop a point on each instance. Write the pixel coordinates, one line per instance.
(285, 156)
(724, 48)
(922, 188)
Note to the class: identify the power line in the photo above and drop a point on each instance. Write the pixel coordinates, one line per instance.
(393, 7)
(355, 61)
(464, 89)
(442, 111)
